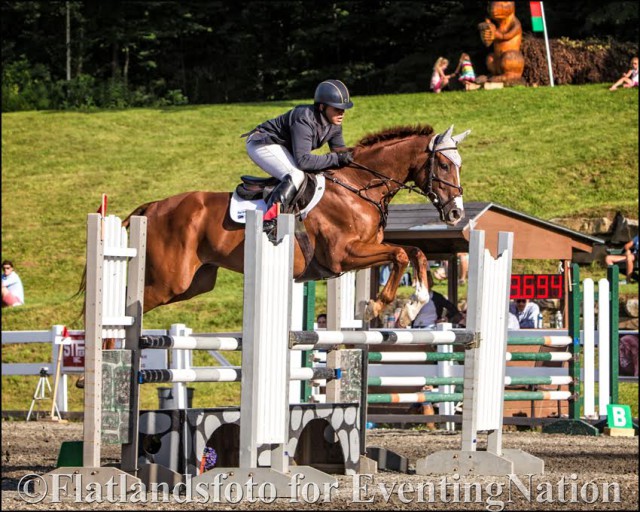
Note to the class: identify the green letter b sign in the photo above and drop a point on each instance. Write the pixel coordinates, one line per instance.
(619, 416)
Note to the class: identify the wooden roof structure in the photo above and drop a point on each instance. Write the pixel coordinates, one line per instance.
(419, 225)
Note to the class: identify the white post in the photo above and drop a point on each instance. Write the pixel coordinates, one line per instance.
(589, 349)
(334, 304)
(603, 346)
(60, 388)
(546, 44)
(180, 360)
(295, 387)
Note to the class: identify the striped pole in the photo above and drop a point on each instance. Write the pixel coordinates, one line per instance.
(547, 341)
(413, 357)
(559, 380)
(309, 340)
(419, 357)
(233, 374)
(398, 398)
(538, 356)
(190, 343)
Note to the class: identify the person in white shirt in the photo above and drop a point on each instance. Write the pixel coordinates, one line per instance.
(526, 312)
(12, 290)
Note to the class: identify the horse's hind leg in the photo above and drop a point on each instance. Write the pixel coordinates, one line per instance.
(203, 281)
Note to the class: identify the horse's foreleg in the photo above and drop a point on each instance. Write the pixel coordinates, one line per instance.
(421, 296)
(362, 255)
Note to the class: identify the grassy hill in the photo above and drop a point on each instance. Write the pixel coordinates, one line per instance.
(549, 152)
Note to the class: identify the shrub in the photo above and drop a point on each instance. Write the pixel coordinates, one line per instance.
(575, 62)
(25, 87)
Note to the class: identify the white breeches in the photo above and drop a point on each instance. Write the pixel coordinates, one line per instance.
(276, 161)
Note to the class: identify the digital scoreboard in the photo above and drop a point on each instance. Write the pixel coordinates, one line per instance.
(537, 286)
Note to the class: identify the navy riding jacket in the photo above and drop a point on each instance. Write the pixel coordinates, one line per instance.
(302, 130)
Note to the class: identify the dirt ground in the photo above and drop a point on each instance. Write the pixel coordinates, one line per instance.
(583, 467)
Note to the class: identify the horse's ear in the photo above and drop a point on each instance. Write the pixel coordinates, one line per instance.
(460, 137)
(448, 133)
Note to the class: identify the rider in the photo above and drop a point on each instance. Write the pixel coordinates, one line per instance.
(282, 146)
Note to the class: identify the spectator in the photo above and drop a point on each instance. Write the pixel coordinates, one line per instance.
(385, 272)
(526, 312)
(439, 79)
(321, 321)
(630, 256)
(433, 312)
(441, 272)
(465, 68)
(513, 325)
(630, 78)
(629, 355)
(12, 290)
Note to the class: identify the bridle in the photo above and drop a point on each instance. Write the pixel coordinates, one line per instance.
(431, 178)
(426, 191)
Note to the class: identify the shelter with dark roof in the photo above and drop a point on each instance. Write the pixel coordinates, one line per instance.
(419, 225)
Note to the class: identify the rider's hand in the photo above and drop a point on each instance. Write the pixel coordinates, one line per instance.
(345, 158)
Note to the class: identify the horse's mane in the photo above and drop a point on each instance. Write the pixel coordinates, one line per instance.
(397, 132)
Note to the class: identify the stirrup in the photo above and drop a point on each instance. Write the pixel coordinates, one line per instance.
(270, 228)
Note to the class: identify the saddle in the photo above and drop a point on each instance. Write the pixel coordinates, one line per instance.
(253, 194)
(255, 188)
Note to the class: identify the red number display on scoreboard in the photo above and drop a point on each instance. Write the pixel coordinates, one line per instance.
(537, 286)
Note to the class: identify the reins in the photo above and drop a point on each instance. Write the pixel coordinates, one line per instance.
(382, 205)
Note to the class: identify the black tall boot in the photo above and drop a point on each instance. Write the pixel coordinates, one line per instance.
(283, 194)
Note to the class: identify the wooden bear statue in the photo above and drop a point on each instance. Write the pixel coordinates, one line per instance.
(504, 31)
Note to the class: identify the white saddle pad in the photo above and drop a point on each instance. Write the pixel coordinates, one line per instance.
(238, 208)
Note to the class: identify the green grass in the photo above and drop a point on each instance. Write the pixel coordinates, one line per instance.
(549, 152)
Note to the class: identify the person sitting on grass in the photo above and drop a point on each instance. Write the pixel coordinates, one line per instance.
(12, 289)
(629, 79)
(630, 256)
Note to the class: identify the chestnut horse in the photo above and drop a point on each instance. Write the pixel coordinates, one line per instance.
(191, 235)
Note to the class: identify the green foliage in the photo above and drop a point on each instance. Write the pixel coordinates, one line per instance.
(75, 93)
(25, 87)
(217, 52)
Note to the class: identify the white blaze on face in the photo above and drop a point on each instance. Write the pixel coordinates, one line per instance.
(458, 200)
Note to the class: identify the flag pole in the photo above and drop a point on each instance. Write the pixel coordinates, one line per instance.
(546, 44)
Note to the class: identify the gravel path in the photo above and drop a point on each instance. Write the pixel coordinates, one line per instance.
(586, 465)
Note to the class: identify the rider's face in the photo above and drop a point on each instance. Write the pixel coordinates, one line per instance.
(334, 115)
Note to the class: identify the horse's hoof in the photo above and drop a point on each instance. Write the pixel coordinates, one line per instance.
(373, 310)
(403, 319)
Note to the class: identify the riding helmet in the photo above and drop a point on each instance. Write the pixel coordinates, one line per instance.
(333, 93)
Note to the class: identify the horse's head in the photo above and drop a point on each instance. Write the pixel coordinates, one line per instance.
(439, 177)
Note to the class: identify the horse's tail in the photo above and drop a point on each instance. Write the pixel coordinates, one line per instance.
(140, 210)
(82, 288)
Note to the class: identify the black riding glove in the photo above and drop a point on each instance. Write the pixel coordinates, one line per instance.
(345, 158)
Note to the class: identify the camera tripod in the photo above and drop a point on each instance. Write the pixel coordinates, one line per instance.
(40, 392)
